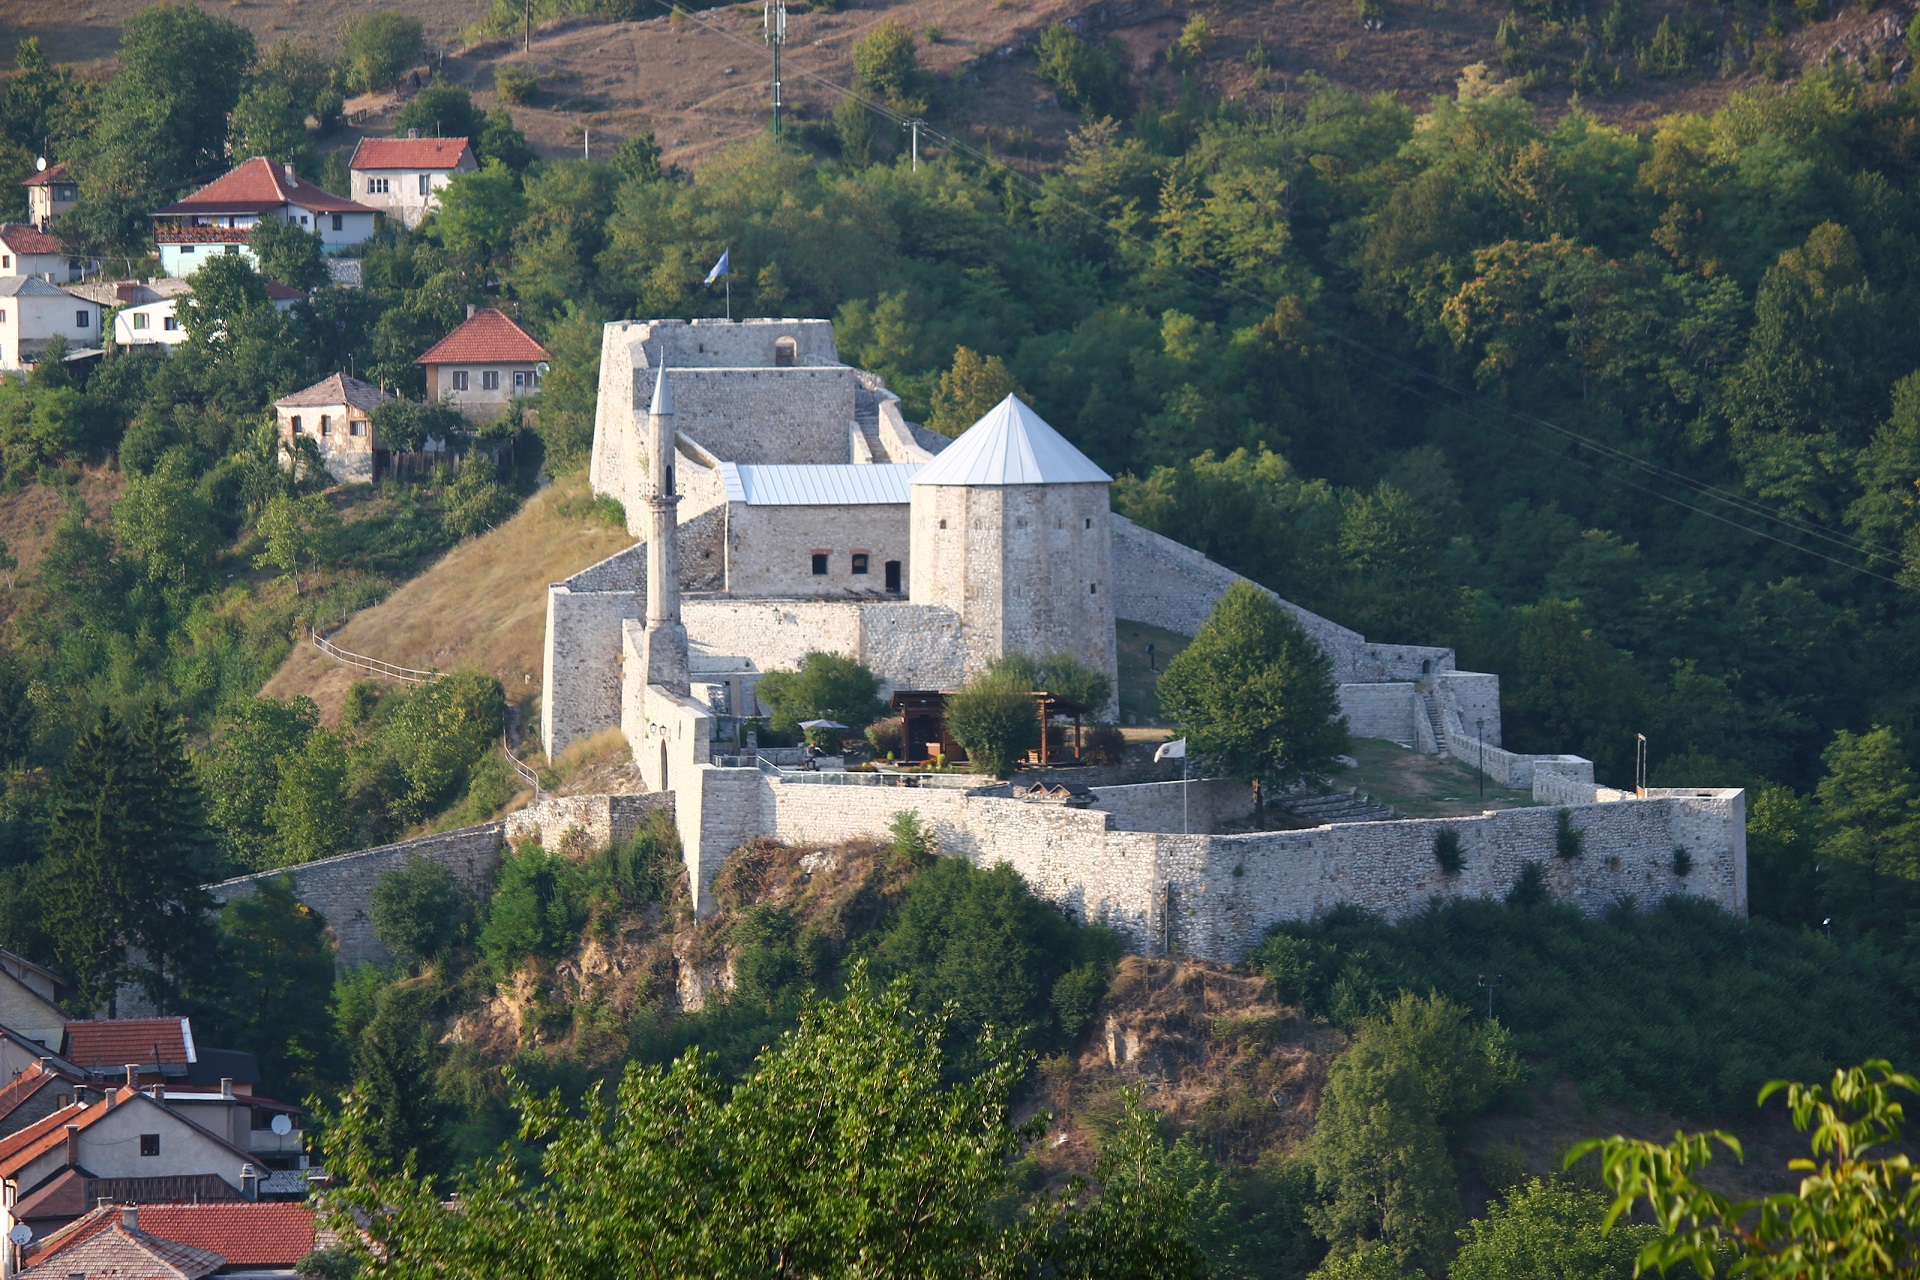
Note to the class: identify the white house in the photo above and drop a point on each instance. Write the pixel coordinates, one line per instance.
(33, 313)
(25, 251)
(149, 313)
(485, 365)
(219, 218)
(402, 177)
(50, 193)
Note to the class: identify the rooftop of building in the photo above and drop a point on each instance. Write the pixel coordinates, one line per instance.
(33, 287)
(257, 186)
(243, 1233)
(116, 1252)
(821, 485)
(335, 388)
(1011, 445)
(46, 177)
(21, 238)
(409, 153)
(488, 336)
(110, 1044)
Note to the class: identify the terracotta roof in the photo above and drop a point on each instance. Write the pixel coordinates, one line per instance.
(110, 1044)
(17, 1150)
(256, 186)
(408, 153)
(488, 337)
(23, 1086)
(338, 388)
(116, 1253)
(21, 238)
(283, 292)
(246, 1233)
(58, 173)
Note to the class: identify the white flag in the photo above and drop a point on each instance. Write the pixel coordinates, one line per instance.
(1175, 750)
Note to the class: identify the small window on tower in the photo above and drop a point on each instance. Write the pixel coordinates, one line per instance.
(820, 563)
(859, 562)
(943, 524)
(1093, 588)
(1089, 522)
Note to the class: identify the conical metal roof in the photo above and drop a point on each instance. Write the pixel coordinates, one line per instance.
(1011, 445)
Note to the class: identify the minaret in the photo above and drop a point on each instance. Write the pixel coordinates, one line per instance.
(666, 638)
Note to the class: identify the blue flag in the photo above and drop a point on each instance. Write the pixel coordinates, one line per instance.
(719, 268)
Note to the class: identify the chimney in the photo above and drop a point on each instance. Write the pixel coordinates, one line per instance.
(413, 135)
(249, 1182)
(73, 1146)
(226, 1086)
(108, 1096)
(470, 310)
(290, 174)
(130, 1216)
(133, 1070)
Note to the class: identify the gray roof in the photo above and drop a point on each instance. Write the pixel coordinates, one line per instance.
(338, 388)
(826, 485)
(662, 405)
(1011, 445)
(32, 287)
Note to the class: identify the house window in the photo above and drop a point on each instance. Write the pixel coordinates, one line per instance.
(171, 324)
(3, 316)
(358, 427)
(519, 379)
(5, 260)
(819, 564)
(139, 321)
(295, 420)
(303, 219)
(149, 1144)
(326, 424)
(79, 319)
(426, 184)
(189, 248)
(233, 248)
(1093, 588)
(489, 379)
(376, 186)
(459, 379)
(339, 221)
(859, 562)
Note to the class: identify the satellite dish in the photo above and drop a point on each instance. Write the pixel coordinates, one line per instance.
(41, 164)
(21, 1234)
(282, 1125)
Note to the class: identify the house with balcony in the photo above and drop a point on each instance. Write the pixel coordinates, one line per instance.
(403, 177)
(485, 366)
(219, 218)
(50, 193)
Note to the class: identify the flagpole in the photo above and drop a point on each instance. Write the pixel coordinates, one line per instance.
(729, 279)
(1186, 783)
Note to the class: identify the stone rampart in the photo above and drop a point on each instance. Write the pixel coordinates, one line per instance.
(1380, 710)
(908, 646)
(580, 680)
(603, 820)
(341, 888)
(1196, 805)
(794, 415)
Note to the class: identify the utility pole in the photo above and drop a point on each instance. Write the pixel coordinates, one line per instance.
(914, 126)
(529, 36)
(773, 26)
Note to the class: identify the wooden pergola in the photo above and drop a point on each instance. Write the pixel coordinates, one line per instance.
(1050, 705)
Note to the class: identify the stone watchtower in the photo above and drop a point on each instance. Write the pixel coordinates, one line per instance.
(1011, 530)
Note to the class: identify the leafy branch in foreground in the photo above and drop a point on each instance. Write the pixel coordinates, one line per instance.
(1852, 1216)
(846, 1151)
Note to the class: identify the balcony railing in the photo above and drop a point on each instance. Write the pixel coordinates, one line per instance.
(202, 235)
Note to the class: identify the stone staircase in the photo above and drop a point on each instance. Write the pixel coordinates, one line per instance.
(1437, 719)
(1327, 807)
(866, 421)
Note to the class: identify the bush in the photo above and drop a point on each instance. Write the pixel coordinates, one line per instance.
(994, 717)
(828, 686)
(887, 736)
(420, 910)
(476, 501)
(379, 47)
(649, 867)
(1446, 852)
(1089, 77)
(540, 903)
(1569, 841)
(514, 83)
(1105, 744)
(1545, 1230)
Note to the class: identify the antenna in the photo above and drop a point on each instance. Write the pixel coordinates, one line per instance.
(773, 26)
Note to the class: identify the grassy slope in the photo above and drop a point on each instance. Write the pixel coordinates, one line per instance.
(481, 605)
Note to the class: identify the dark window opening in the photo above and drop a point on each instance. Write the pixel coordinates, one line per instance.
(943, 524)
(1093, 588)
(337, 222)
(149, 1144)
(859, 562)
(820, 563)
(1089, 522)
(892, 568)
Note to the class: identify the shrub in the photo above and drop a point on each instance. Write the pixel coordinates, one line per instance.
(1569, 841)
(1105, 744)
(1544, 1230)
(380, 46)
(828, 686)
(1446, 852)
(993, 716)
(1682, 861)
(539, 905)
(1089, 77)
(476, 501)
(649, 867)
(886, 736)
(515, 83)
(1530, 888)
(912, 844)
(419, 910)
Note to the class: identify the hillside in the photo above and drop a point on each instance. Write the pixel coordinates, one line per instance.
(699, 82)
(481, 605)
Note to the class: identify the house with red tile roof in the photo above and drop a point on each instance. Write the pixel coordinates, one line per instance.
(29, 251)
(122, 1250)
(156, 1048)
(219, 218)
(403, 177)
(256, 1238)
(483, 367)
(50, 193)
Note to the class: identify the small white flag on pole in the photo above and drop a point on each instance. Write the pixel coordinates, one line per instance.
(1175, 750)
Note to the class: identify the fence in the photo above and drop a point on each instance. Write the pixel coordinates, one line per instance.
(409, 675)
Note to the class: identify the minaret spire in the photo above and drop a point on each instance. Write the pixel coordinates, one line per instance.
(666, 638)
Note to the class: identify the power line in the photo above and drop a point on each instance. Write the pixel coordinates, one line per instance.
(1750, 507)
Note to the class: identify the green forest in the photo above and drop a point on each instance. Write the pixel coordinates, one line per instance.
(1629, 418)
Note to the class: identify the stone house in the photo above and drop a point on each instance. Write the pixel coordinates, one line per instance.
(484, 366)
(33, 313)
(50, 193)
(403, 177)
(219, 218)
(28, 251)
(27, 1008)
(814, 530)
(336, 414)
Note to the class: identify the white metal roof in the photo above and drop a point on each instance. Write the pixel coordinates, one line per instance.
(818, 485)
(1011, 445)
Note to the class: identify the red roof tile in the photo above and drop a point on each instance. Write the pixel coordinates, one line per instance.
(246, 1233)
(24, 1086)
(24, 239)
(259, 185)
(283, 292)
(110, 1044)
(117, 1252)
(488, 337)
(58, 173)
(408, 153)
(17, 1150)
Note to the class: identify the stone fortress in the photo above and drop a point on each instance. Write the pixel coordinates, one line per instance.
(783, 504)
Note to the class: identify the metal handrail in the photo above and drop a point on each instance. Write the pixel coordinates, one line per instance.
(409, 675)
(521, 767)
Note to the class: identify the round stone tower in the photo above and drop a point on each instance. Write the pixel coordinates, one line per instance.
(1011, 530)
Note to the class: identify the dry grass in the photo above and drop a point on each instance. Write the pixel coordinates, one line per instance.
(592, 766)
(481, 605)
